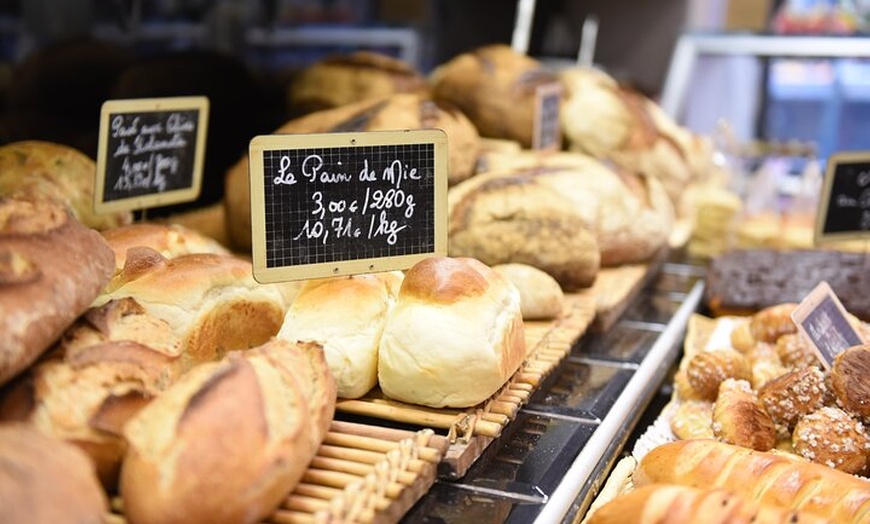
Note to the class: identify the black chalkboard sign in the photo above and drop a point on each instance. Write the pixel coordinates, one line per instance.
(344, 203)
(150, 152)
(844, 204)
(547, 133)
(821, 318)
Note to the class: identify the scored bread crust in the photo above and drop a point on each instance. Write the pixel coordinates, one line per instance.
(454, 337)
(51, 268)
(170, 240)
(225, 444)
(211, 301)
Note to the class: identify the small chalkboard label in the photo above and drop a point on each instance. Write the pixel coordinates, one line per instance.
(822, 319)
(345, 203)
(844, 203)
(150, 152)
(547, 133)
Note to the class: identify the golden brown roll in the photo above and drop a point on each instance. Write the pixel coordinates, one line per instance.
(170, 240)
(795, 352)
(772, 322)
(676, 504)
(454, 337)
(52, 268)
(739, 419)
(496, 87)
(46, 481)
(706, 370)
(211, 301)
(831, 437)
(693, 419)
(793, 395)
(765, 362)
(344, 79)
(41, 170)
(849, 379)
(741, 337)
(541, 297)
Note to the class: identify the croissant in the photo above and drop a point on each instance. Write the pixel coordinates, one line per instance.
(739, 419)
(766, 477)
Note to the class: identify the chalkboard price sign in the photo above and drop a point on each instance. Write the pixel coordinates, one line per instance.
(821, 318)
(547, 133)
(344, 203)
(844, 204)
(150, 152)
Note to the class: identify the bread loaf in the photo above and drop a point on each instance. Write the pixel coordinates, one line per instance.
(630, 214)
(501, 218)
(109, 364)
(211, 301)
(675, 504)
(39, 170)
(51, 268)
(346, 316)
(541, 297)
(170, 240)
(226, 443)
(496, 87)
(46, 481)
(766, 477)
(454, 337)
(344, 79)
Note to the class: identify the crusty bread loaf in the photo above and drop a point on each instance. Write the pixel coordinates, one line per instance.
(345, 315)
(109, 364)
(211, 301)
(849, 379)
(767, 477)
(630, 214)
(541, 297)
(39, 170)
(170, 240)
(496, 87)
(46, 481)
(392, 113)
(226, 443)
(675, 504)
(454, 337)
(51, 269)
(344, 79)
(501, 218)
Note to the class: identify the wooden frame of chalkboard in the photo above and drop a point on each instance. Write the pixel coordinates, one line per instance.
(346, 203)
(844, 203)
(822, 319)
(150, 153)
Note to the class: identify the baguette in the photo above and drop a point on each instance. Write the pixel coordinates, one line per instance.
(675, 504)
(766, 477)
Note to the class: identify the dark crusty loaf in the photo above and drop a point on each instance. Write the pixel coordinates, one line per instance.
(746, 281)
(46, 481)
(51, 268)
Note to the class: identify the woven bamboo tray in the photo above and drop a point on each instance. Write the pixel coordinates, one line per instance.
(361, 474)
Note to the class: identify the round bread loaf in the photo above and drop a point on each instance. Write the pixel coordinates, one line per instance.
(45, 481)
(44, 170)
(346, 316)
(344, 79)
(51, 268)
(454, 337)
(396, 112)
(630, 214)
(496, 87)
(501, 218)
(211, 301)
(541, 297)
(849, 379)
